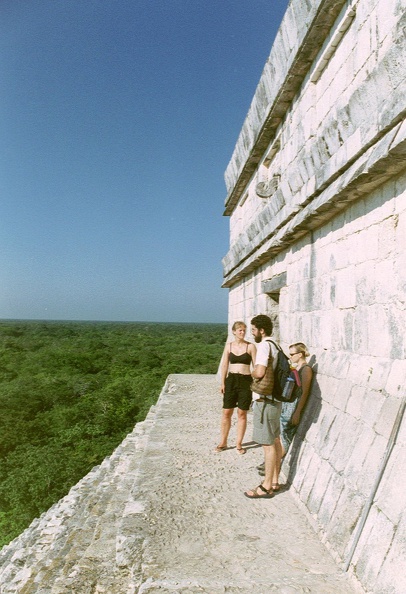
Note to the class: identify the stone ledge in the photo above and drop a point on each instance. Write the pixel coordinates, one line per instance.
(165, 513)
(305, 25)
(381, 162)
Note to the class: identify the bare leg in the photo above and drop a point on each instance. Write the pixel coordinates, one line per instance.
(265, 489)
(270, 465)
(225, 426)
(241, 427)
(279, 449)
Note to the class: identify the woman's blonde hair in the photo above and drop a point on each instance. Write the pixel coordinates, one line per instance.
(300, 348)
(238, 325)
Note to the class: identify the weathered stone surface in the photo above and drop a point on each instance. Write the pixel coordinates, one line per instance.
(339, 236)
(304, 27)
(353, 106)
(166, 514)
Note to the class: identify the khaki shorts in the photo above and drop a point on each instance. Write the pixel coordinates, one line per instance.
(266, 432)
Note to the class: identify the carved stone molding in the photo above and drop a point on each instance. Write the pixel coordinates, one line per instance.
(265, 189)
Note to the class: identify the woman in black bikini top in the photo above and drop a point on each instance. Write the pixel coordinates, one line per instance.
(244, 359)
(238, 357)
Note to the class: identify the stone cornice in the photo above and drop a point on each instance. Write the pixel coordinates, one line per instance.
(281, 79)
(378, 163)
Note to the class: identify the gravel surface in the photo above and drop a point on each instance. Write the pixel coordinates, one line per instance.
(203, 534)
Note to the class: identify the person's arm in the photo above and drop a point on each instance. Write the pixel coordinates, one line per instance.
(306, 383)
(224, 367)
(253, 352)
(258, 372)
(262, 356)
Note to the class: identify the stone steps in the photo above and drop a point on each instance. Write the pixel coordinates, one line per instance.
(72, 547)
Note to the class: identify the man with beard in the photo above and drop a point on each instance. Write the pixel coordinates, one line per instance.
(266, 411)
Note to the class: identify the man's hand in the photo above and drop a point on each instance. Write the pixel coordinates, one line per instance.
(258, 372)
(295, 420)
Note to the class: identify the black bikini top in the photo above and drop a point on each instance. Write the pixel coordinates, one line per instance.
(244, 359)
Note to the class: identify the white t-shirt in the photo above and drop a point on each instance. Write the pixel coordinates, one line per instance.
(262, 357)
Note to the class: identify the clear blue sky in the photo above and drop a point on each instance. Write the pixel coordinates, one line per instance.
(117, 121)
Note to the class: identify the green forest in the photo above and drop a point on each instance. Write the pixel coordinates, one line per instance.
(71, 391)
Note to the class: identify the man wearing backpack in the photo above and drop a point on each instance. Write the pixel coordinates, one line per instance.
(266, 410)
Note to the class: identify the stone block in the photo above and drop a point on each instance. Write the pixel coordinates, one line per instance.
(391, 495)
(343, 323)
(329, 438)
(342, 394)
(397, 377)
(312, 410)
(400, 276)
(305, 461)
(306, 169)
(322, 258)
(327, 283)
(380, 205)
(387, 238)
(343, 519)
(380, 331)
(396, 320)
(365, 283)
(304, 328)
(379, 372)
(309, 479)
(342, 250)
(339, 364)
(331, 136)
(321, 330)
(372, 548)
(401, 235)
(392, 61)
(358, 367)
(372, 463)
(327, 386)
(360, 451)
(355, 401)
(372, 405)
(345, 295)
(355, 215)
(391, 576)
(324, 475)
(368, 244)
(387, 416)
(400, 179)
(330, 498)
(344, 445)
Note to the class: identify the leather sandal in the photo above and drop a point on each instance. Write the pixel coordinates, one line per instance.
(255, 495)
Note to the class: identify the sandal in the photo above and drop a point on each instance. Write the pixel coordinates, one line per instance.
(219, 449)
(256, 495)
(275, 486)
(241, 451)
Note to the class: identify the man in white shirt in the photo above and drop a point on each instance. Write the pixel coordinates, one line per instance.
(266, 411)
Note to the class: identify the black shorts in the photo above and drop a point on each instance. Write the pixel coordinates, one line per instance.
(237, 391)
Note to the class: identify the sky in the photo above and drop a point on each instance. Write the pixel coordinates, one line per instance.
(118, 119)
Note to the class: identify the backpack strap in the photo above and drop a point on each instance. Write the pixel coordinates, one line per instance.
(270, 350)
(274, 344)
(266, 399)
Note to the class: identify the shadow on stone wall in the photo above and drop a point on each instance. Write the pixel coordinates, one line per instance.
(310, 416)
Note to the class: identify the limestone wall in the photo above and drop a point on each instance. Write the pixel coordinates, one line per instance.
(345, 298)
(318, 219)
(333, 141)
